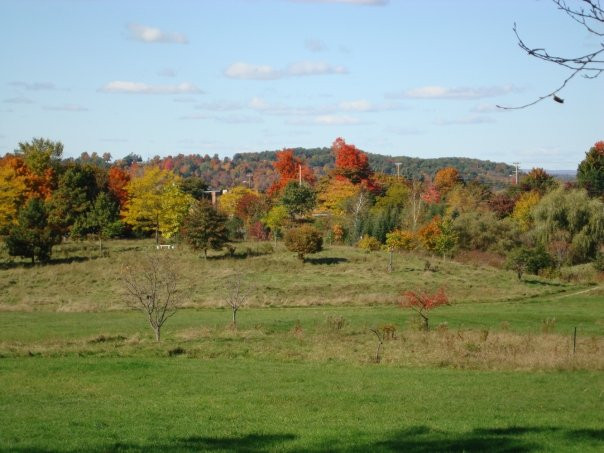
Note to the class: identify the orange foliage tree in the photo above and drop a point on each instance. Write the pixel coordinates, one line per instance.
(423, 302)
(352, 164)
(445, 179)
(289, 167)
(429, 233)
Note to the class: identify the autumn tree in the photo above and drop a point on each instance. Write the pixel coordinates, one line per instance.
(352, 164)
(538, 180)
(334, 193)
(152, 284)
(227, 203)
(276, 219)
(41, 155)
(32, 237)
(502, 204)
(290, 168)
(205, 228)
(117, 181)
(303, 240)
(522, 213)
(429, 233)
(445, 179)
(13, 193)
(590, 173)
(423, 302)
(156, 203)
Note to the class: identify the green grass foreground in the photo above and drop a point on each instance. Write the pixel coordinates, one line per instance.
(179, 404)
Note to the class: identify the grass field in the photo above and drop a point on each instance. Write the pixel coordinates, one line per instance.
(497, 371)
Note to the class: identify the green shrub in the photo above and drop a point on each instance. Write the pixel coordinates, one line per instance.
(304, 240)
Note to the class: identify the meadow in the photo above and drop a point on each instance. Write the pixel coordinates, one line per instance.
(498, 371)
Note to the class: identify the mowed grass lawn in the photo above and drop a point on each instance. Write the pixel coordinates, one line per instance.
(179, 404)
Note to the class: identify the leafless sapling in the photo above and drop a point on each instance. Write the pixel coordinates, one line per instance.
(152, 284)
(236, 295)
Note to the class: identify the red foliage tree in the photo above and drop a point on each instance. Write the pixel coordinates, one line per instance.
(352, 164)
(117, 179)
(288, 166)
(431, 195)
(502, 204)
(423, 302)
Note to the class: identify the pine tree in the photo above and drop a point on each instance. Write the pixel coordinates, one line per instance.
(32, 237)
(205, 228)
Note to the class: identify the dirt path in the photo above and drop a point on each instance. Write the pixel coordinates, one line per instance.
(581, 292)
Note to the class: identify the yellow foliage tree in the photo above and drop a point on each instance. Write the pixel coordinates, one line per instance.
(228, 202)
(156, 203)
(13, 191)
(522, 213)
(401, 240)
(332, 195)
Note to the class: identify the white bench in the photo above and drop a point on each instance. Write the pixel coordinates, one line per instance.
(165, 246)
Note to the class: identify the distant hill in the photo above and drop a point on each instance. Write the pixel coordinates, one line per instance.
(228, 172)
(322, 160)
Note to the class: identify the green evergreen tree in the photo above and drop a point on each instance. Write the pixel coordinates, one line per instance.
(205, 228)
(32, 237)
(102, 220)
(298, 199)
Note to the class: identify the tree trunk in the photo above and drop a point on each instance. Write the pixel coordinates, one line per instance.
(425, 325)
(157, 333)
(390, 261)
(157, 231)
(205, 254)
(235, 318)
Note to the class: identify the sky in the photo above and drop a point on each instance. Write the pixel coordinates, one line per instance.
(416, 78)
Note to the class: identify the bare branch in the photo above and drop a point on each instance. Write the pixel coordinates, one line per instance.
(590, 65)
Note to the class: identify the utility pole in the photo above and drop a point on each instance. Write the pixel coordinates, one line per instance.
(516, 165)
(398, 170)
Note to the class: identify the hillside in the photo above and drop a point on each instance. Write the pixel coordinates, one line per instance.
(228, 172)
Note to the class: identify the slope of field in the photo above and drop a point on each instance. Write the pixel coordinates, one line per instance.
(79, 281)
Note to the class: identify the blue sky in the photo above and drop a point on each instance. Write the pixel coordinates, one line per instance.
(400, 77)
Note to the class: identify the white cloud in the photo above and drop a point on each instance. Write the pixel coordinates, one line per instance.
(238, 119)
(155, 35)
(248, 71)
(119, 86)
(34, 86)
(315, 45)
(66, 108)
(455, 93)
(350, 2)
(363, 105)
(305, 68)
(473, 119)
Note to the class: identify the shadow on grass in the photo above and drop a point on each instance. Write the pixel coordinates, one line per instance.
(512, 439)
(419, 439)
(325, 260)
(53, 261)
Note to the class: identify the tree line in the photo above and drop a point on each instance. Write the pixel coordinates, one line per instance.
(539, 223)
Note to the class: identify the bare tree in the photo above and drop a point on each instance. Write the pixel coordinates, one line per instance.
(152, 283)
(236, 295)
(589, 14)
